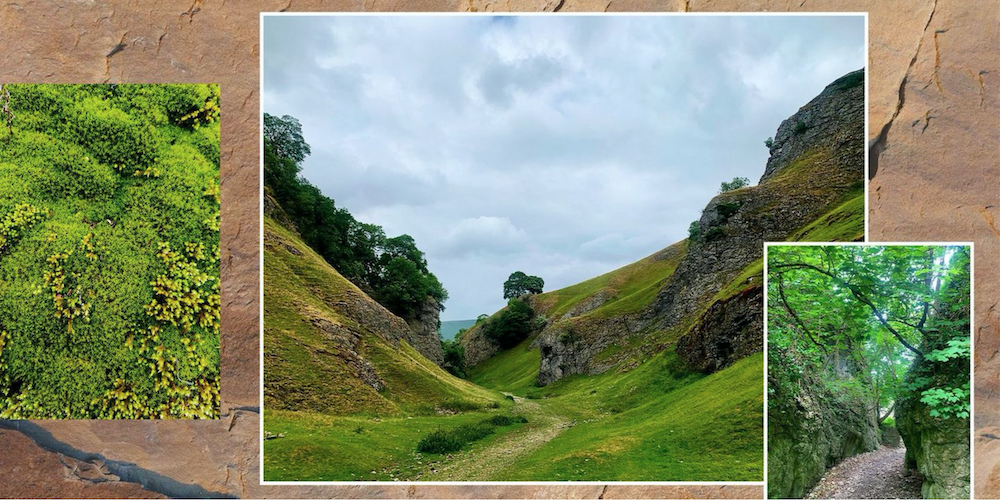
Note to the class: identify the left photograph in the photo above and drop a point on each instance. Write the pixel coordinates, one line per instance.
(109, 251)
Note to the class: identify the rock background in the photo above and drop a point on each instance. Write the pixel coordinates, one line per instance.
(815, 429)
(934, 109)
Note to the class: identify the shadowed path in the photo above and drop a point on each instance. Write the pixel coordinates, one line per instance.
(876, 474)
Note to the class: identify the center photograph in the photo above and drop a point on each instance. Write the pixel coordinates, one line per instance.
(530, 248)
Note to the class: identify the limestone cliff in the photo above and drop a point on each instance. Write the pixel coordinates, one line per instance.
(815, 428)
(709, 302)
(424, 331)
(938, 445)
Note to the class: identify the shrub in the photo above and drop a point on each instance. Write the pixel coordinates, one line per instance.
(459, 405)
(769, 142)
(800, 127)
(510, 326)
(448, 441)
(454, 356)
(694, 231)
(736, 183)
(505, 420)
(727, 210)
(714, 234)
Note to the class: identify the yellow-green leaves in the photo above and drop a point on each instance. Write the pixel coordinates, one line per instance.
(185, 296)
(13, 225)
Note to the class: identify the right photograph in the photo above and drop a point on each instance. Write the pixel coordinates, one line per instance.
(868, 370)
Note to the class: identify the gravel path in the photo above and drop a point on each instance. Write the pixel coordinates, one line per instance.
(482, 464)
(876, 474)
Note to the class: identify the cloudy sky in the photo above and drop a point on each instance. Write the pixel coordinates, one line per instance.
(560, 146)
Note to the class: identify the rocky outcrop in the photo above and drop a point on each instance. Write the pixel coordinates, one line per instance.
(809, 169)
(571, 346)
(817, 157)
(347, 343)
(810, 428)
(424, 331)
(477, 347)
(937, 448)
(937, 445)
(729, 330)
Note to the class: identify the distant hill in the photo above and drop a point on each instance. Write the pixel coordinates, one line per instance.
(449, 329)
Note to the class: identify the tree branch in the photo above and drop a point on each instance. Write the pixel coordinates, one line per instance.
(795, 316)
(858, 295)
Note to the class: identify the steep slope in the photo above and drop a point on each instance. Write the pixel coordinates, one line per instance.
(331, 349)
(703, 296)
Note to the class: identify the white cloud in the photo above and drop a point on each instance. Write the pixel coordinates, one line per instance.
(561, 146)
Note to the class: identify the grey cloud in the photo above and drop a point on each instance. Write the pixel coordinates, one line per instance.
(561, 146)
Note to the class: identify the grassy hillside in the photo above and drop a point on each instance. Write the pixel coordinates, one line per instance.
(514, 370)
(631, 287)
(655, 423)
(305, 371)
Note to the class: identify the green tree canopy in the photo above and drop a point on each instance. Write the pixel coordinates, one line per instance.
(392, 270)
(511, 325)
(736, 183)
(874, 311)
(519, 284)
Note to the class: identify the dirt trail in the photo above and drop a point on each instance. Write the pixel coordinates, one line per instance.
(483, 463)
(876, 474)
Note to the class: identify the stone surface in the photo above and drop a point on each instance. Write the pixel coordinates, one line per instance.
(31, 471)
(814, 429)
(821, 148)
(936, 185)
(424, 331)
(729, 330)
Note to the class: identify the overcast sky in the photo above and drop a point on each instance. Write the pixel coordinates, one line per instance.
(560, 146)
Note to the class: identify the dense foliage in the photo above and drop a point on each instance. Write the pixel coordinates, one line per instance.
(859, 317)
(454, 355)
(736, 183)
(511, 325)
(392, 270)
(109, 261)
(451, 440)
(519, 284)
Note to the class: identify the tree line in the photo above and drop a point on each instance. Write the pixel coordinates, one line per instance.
(393, 270)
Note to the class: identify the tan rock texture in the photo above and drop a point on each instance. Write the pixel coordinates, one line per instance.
(935, 128)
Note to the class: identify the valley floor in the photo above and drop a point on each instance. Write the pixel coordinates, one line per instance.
(645, 426)
(876, 474)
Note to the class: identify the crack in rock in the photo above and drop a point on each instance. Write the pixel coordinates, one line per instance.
(878, 145)
(126, 471)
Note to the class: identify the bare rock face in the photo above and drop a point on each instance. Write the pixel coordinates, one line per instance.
(477, 347)
(813, 429)
(424, 331)
(817, 157)
(347, 344)
(729, 330)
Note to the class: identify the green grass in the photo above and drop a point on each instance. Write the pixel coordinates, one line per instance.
(655, 423)
(514, 370)
(320, 447)
(845, 222)
(302, 370)
(633, 286)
